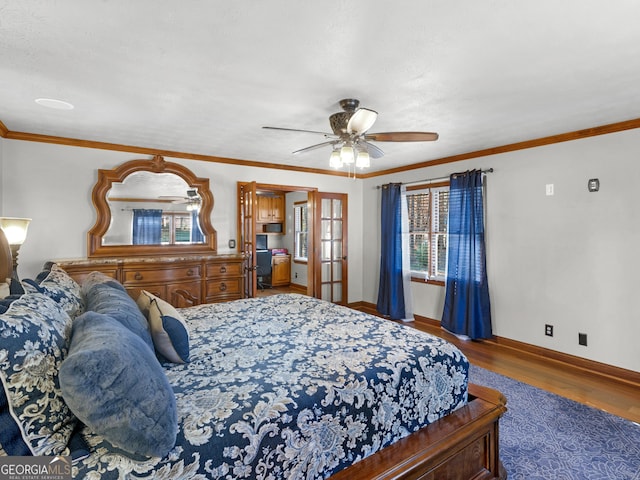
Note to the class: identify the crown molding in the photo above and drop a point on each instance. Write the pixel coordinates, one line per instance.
(512, 147)
(75, 142)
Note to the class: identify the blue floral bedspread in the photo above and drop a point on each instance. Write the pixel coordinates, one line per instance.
(290, 387)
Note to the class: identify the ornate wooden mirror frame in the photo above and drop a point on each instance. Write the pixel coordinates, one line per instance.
(106, 178)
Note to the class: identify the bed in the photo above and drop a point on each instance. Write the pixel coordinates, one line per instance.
(286, 386)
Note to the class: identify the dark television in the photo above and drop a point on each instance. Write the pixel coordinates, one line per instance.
(261, 242)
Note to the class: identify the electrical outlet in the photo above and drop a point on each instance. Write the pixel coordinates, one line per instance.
(296, 276)
(548, 330)
(582, 339)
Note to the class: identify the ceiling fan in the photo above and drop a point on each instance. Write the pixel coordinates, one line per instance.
(192, 199)
(350, 140)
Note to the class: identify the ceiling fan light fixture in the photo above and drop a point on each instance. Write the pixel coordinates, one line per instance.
(334, 160)
(347, 155)
(363, 160)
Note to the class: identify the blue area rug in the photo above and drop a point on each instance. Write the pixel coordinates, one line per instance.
(544, 436)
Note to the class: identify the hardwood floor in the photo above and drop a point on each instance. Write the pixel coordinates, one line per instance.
(614, 395)
(619, 396)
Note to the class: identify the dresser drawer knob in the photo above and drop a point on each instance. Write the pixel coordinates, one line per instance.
(223, 287)
(190, 272)
(138, 276)
(223, 269)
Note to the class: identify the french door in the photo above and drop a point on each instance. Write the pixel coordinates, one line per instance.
(329, 263)
(247, 209)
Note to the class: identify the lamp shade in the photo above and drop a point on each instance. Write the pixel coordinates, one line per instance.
(15, 229)
(346, 154)
(334, 160)
(363, 160)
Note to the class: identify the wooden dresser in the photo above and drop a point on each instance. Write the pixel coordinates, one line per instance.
(183, 281)
(280, 270)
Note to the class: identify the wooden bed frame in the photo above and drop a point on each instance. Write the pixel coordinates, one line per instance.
(461, 446)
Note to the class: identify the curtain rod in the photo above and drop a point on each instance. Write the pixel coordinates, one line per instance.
(437, 179)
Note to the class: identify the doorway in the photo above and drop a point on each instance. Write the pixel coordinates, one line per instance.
(323, 274)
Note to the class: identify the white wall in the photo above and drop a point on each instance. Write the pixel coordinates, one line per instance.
(571, 260)
(52, 185)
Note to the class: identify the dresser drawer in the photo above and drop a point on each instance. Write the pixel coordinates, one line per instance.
(79, 274)
(224, 269)
(224, 287)
(158, 275)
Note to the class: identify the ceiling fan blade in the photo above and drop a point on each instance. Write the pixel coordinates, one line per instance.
(402, 136)
(298, 130)
(313, 147)
(374, 151)
(361, 121)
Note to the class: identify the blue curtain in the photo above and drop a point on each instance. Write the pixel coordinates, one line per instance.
(467, 309)
(196, 233)
(393, 290)
(147, 226)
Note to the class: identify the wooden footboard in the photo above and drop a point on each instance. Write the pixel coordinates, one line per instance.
(462, 445)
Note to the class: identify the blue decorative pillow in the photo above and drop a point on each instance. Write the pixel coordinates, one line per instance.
(168, 331)
(115, 385)
(34, 331)
(57, 284)
(98, 278)
(110, 297)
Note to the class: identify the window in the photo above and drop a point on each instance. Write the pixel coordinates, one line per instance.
(176, 228)
(300, 231)
(428, 209)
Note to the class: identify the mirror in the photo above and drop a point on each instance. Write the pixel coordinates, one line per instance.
(151, 207)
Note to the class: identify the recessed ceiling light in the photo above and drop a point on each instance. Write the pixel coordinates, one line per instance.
(53, 103)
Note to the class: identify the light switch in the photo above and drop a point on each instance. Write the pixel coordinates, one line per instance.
(549, 188)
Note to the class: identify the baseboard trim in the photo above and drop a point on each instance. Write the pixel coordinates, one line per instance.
(588, 366)
(297, 288)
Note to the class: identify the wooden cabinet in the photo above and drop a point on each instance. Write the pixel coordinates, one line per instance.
(271, 208)
(224, 281)
(183, 282)
(280, 270)
(177, 283)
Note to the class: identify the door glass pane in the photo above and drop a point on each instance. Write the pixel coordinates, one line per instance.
(326, 208)
(337, 269)
(337, 292)
(337, 209)
(326, 292)
(337, 229)
(326, 271)
(248, 202)
(337, 250)
(326, 250)
(325, 232)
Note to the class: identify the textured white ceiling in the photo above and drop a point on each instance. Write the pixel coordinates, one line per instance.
(203, 76)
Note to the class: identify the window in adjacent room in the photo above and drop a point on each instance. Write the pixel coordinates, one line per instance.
(176, 228)
(428, 207)
(300, 231)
